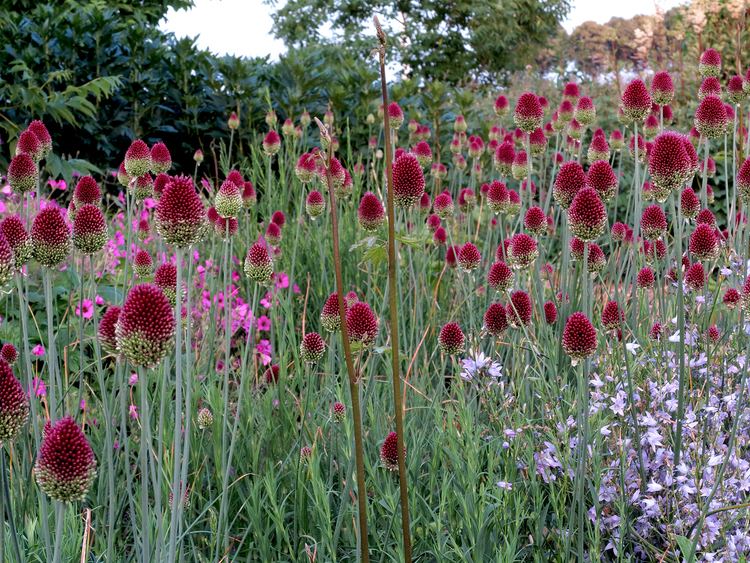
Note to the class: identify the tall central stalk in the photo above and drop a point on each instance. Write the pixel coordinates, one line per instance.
(353, 379)
(393, 304)
(174, 521)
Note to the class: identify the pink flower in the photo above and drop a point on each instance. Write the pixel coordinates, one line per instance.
(264, 349)
(99, 300)
(264, 323)
(282, 280)
(88, 309)
(266, 301)
(39, 387)
(82, 404)
(295, 288)
(38, 350)
(133, 378)
(58, 185)
(133, 410)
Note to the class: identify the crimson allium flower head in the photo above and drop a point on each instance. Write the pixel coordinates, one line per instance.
(651, 126)
(713, 333)
(361, 323)
(233, 122)
(576, 248)
(653, 222)
(497, 196)
(459, 124)
(312, 347)
(571, 91)
(433, 222)
(587, 215)
(271, 143)
(8, 353)
(519, 309)
(396, 115)
(122, 176)
(236, 177)
(450, 255)
(13, 230)
(736, 89)
(535, 221)
(7, 261)
(165, 278)
(695, 277)
(704, 244)
(502, 106)
(408, 180)
(271, 375)
(466, 199)
(537, 141)
(440, 236)
(212, 215)
(500, 276)
(529, 112)
(469, 257)
(370, 212)
(279, 218)
(142, 263)
(423, 153)
(636, 101)
(710, 63)
(656, 331)
(662, 88)
(305, 167)
(565, 111)
(258, 263)
(65, 465)
(575, 131)
(550, 312)
(731, 298)
(612, 316)
(40, 131)
(655, 250)
(389, 452)
(180, 214)
(579, 337)
(616, 140)
(107, 325)
(451, 339)
(87, 191)
(146, 326)
(228, 201)
(711, 117)
(249, 198)
(709, 87)
(520, 167)
(226, 228)
(569, 181)
(585, 112)
(522, 251)
(602, 178)
(598, 149)
(50, 237)
(618, 231)
(160, 182)
(503, 159)
(143, 187)
(23, 173)
(14, 402)
(645, 278)
(689, 203)
(339, 412)
(29, 144)
(137, 159)
(495, 319)
(705, 216)
(743, 181)
(329, 316)
(89, 229)
(443, 205)
(161, 160)
(315, 204)
(669, 163)
(597, 260)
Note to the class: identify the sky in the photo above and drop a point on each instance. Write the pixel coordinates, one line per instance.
(243, 27)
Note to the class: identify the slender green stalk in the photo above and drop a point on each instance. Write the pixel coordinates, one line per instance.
(177, 430)
(54, 384)
(59, 530)
(681, 346)
(393, 304)
(8, 502)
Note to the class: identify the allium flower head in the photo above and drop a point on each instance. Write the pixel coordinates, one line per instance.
(706, 216)
(23, 173)
(711, 117)
(29, 144)
(522, 251)
(571, 91)
(443, 205)
(89, 229)
(695, 276)
(87, 191)
(497, 196)
(14, 402)
(731, 298)
(669, 164)
(495, 319)
(329, 316)
(651, 126)
(469, 257)
(180, 214)
(529, 113)
(656, 331)
(520, 167)
(249, 197)
(271, 143)
(361, 323)
(602, 178)
(736, 90)
(233, 122)
(645, 278)
(338, 411)
(371, 214)
(160, 182)
(500, 277)
(537, 142)
(704, 245)
(228, 201)
(258, 263)
(653, 222)
(41, 132)
(305, 167)
(312, 347)
(689, 203)
(502, 106)
(161, 160)
(451, 339)
(8, 353)
(598, 149)
(226, 228)
(143, 187)
(389, 452)
(550, 312)
(585, 112)
(504, 157)
(743, 181)
(618, 231)
(146, 326)
(612, 316)
(519, 309)
(569, 181)
(636, 101)
(205, 418)
(395, 115)
(587, 215)
(662, 88)
(535, 221)
(408, 180)
(50, 237)
(315, 204)
(597, 260)
(709, 87)
(107, 327)
(710, 63)
(579, 337)
(142, 263)
(137, 159)
(423, 153)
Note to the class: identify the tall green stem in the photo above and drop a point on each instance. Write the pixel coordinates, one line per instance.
(177, 431)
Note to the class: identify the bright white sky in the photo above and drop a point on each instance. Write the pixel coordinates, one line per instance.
(243, 27)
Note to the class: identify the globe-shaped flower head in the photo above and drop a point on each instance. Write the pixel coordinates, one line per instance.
(662, 88)
(587, 215)
(87, 191)
(161, 160)
(14, 403)
(529, 113)
(370, 213)
(107, 328)
(312, 347)
(361, 323)
(258, 263)
(41, 132)
(228, 201)
(14, 231)
(137, 159)
(408, 180)
(146, 326)
(636, 101)
(50, 237)
(180, 214)
(710, 63)
(89, 229)
(569, 181)
(711, 117)
(669, 164)
(451, 339)
(579, 337)
(23, 173)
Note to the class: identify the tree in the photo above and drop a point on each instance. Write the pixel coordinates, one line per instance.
(455, 41)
